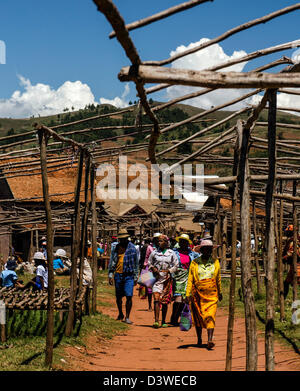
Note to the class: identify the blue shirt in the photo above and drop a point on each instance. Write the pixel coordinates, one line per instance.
(9, 277)
(130, 262)
(58, 264)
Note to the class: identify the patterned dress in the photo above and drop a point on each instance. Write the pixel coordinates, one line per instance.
(181, 275)
(163, 260)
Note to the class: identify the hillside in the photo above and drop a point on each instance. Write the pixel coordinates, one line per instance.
(175, 113)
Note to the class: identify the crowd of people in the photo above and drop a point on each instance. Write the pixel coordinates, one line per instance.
(38, 266)
(184, 272)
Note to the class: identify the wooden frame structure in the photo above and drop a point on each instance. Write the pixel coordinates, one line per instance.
(263, 182)
(280, 164)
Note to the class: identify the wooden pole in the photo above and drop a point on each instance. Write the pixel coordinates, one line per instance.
(31, 248)
(295, 242)
(234, 195)
(224, 242)
(50, 305)
(249, 304)
(256, 248)
(84, 222)
(279, 262)
(208, 79)
(36, 240)
(217, 226)
(75, 247)
(94, 238)
(270, 237)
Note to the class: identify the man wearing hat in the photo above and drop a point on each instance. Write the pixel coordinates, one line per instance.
(8, 277)
(124, 267)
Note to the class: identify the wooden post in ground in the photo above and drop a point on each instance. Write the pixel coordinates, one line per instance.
(224, 243)
(94, 238)
(84, 221)
(231, 309)
(256, 248)
(295, 242)
(152, 226)
(36, 240)
(270, 237)
(249, 304)
(279, 261)
(75, 247)
(217, 227)
(263, 239)
(50, 305)
(31, 247)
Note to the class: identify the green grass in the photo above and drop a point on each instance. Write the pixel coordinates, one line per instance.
(285, 331)
(26, 330)
(24, 349)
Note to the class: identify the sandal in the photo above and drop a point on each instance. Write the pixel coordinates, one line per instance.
(164, 325)
(210, 345)
(156, 325)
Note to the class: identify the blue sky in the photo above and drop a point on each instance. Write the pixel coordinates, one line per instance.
(59, 41)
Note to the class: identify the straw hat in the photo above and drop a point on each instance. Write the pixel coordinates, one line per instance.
(185, 237)
(60, 253)
(123, 233)
(39, 255)
(205, 243)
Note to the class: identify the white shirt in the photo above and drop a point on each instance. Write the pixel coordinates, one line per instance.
(42, 272)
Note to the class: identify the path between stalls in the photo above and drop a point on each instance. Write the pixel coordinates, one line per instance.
(143, 348)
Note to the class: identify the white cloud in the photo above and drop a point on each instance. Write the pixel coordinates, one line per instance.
(206, 58)
(41, 99)
(117, 101)
(284, 101)
(214, 55)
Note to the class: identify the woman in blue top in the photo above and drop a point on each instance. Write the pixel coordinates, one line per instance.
(58, 262)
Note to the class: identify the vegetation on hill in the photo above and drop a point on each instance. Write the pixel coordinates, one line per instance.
(176, 113)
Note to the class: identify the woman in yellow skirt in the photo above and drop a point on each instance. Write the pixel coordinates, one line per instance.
(204, 291)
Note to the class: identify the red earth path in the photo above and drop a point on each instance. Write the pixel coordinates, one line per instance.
(143, 348)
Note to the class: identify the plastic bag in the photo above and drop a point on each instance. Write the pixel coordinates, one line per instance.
(146, 278)
(185, 319)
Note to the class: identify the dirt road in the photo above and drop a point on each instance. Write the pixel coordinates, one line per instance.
(144, 348)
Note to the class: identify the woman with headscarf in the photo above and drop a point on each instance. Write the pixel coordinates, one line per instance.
(204, 291)
(185, 255)
(162, 262)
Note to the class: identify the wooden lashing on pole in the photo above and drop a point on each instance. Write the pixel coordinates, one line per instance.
(249, 304)
(94, 238)
(75, 247)
(258, 280)
(50, 306)
(270, 236)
